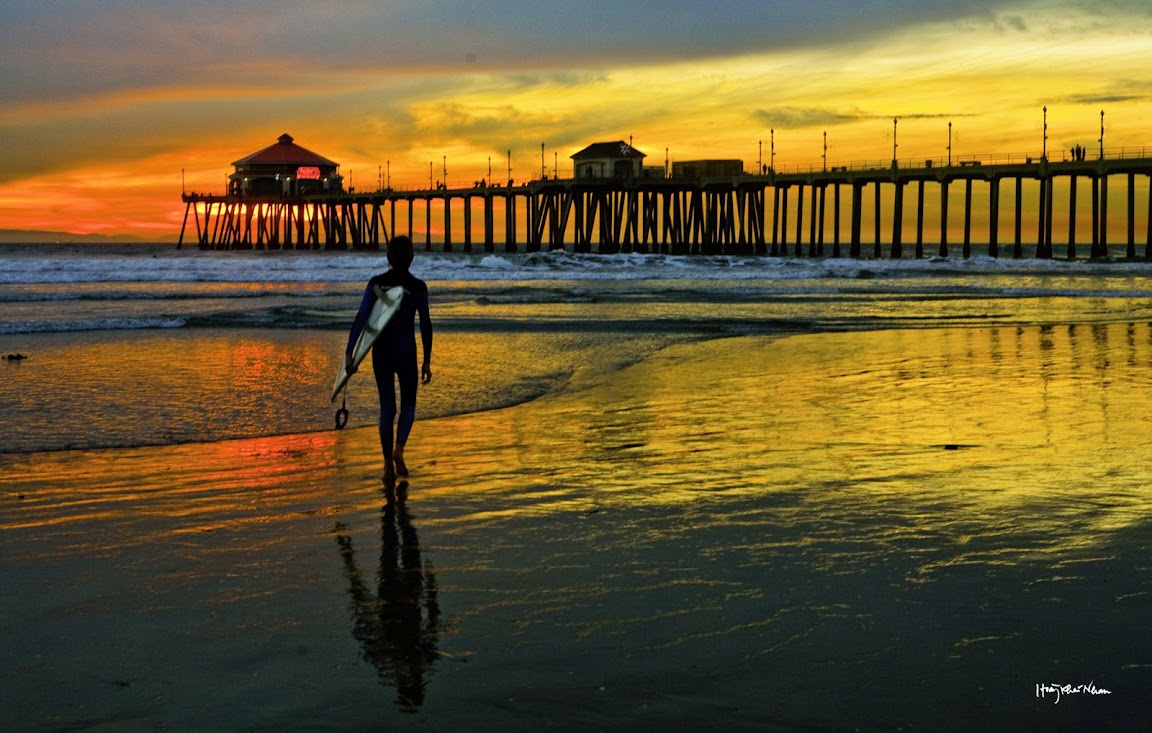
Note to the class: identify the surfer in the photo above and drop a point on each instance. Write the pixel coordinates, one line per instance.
(394, 353)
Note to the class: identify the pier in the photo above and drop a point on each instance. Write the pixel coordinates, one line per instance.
(1023, 208)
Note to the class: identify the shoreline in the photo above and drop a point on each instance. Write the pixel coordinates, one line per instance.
(195, 385)
(131, 367)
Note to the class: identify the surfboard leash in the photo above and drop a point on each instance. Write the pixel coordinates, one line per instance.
(342, 413)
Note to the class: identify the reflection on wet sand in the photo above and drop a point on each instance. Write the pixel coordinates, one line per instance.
(398, 625)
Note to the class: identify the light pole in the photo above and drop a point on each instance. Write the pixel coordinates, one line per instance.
(1044, 149)
(949, 143)
(489, 171)
(760, 158)
(1101, 134)
(429, 175)
(445, 163)
(825, 151)
(894, 121)
(509, 167)
(772, 150)
(541, 161)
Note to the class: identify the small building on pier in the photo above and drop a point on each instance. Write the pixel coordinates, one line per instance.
(694, 170)
(284, 169)
(608, 160)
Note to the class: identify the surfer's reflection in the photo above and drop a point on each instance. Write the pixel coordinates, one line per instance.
(398, 625)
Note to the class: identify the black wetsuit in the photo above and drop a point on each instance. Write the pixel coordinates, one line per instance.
(394, 352)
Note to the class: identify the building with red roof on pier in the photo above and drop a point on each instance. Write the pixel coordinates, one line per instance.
(284, 169)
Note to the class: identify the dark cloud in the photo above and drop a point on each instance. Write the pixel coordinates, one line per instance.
(559, 79)
(806, 117)
(797, 117)
(1104, 98)
(76, 47)
(1129, 90)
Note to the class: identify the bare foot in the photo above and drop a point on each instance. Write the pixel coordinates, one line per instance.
(401, 467)
(389, 470)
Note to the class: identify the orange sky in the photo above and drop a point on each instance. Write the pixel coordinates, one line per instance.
(107, 107)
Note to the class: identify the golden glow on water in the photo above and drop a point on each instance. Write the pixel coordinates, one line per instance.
(102, 500)
(1031, 431)
(924, 507)
(133, 387)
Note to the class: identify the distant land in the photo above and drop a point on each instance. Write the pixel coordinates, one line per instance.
(35, 236)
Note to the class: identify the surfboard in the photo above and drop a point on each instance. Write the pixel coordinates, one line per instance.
(386, 305)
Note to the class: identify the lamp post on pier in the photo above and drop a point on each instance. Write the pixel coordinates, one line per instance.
(825, 151)
(894, 121)
(949, 142)
(1101, 134)
(1044, 149)
(772, 150)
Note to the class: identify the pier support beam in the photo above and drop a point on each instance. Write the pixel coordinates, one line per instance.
(857, 203)
(967, 251)
(1072, 217)
(836, 219)
(784, 223)
(1131, 251)
(876, 248)
(944, 218)
(1103, 215)
(897, 248)
(799, 220)
(1148, 235)
(1043, 246)
(994, 218)
(447, 223)
(1018, 246)
(919, 219)
(775, 251)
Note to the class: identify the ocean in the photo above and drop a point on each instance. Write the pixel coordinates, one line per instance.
(131, 345)
(647, 493)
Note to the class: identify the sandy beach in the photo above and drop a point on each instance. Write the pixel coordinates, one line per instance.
(891, 530)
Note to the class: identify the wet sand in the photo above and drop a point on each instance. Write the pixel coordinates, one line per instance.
(898, 530)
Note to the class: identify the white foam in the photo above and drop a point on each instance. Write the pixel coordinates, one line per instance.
(304, 267)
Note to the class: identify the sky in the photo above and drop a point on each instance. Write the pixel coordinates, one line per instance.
(109, 109)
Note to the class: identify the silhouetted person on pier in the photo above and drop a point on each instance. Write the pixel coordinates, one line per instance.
(398, 625)
(394, 353)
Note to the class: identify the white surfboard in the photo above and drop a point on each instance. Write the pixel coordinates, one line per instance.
(386, 305)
